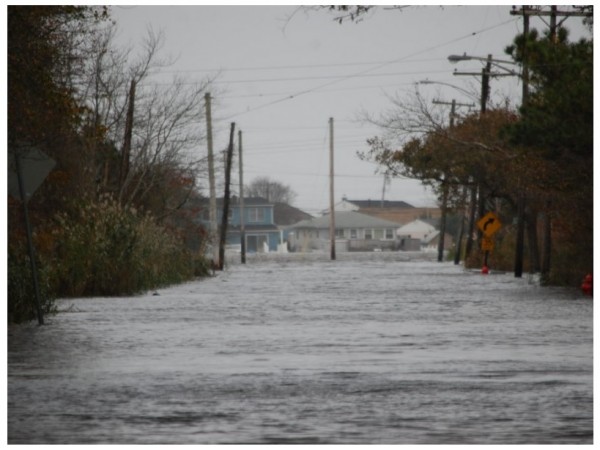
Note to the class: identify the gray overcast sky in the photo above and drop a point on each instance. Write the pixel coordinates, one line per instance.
(284, 72)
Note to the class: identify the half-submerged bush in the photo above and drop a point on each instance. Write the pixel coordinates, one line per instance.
(107, 249)
(21, 292)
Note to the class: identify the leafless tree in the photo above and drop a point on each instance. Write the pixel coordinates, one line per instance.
(271, 190)
(167, 125)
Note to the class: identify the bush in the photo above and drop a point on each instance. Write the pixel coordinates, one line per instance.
(107, 249)
(21, 300)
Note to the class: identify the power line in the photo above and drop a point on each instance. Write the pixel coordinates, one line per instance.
(289, 67)
(303, 78)
(363, 72)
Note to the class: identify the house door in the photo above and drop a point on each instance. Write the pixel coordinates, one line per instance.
(256, 243)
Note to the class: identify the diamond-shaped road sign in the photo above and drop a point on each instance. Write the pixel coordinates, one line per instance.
(35, 167)
(489, 224)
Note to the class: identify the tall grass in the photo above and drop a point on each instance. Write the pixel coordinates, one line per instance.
(100, 249)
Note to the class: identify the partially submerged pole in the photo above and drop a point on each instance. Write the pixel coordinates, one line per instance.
(242, 219)
(212, 210)
(31, 250)
(331, 193)
(225, 217)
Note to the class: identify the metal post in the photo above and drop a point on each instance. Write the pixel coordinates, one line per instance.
(30, 248)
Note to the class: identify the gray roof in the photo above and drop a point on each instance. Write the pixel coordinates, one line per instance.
(380, 204)
(346, 219)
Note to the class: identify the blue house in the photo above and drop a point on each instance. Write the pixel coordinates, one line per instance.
(260, 230)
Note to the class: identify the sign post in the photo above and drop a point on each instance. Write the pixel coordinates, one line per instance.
(489, 225)
(30, 169)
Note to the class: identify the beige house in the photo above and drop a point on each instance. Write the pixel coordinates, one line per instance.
(353, 232)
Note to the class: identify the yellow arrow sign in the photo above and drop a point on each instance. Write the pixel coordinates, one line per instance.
(489, 224)
(487, 244)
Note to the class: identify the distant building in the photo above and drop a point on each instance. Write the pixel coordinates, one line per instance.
(285, 215)
(424, 233)
(392, 210)
(264, 223)
(262, 235)
(353, 232)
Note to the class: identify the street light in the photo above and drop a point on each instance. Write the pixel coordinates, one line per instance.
(465, 57)
(495, 62)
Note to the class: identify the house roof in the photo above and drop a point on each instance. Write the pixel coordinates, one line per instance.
(346, 219)
(284, 214)
(380, 203)
(248, 201)
(416, 225)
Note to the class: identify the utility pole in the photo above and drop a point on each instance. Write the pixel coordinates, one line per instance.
(242, 219)
(126, 152)
(485, 84)
(521, 201)
(486, 72)
(444, 208)
(212, 210)
(554, 13)
(30, 247)
(225, 216)
(331, 194)
(461, 230)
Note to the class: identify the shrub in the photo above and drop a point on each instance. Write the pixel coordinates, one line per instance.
(21, 300)
(108, 249)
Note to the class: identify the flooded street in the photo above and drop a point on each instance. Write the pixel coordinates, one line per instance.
(368, 349)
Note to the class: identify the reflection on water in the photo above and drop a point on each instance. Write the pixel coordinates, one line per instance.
(367, 351)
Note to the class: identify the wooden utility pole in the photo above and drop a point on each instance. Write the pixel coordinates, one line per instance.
(212, 210)
(461, 229)
(226, 196)
(331, 193)
(242, 219)
(486, 72)
(554, 13)
(126, 152)
(444, 208)
(521, 200)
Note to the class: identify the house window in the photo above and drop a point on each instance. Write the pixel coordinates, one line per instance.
(379, 234)
(353, 233)
(256, 215)
(368, 234)
(339, 233)
(389, 233)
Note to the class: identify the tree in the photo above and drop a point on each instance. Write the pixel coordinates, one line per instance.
(91, 107)
(556, 131)
(472, 155)
(273, 191)
(147, 132)
(44, 49)
(346, 13)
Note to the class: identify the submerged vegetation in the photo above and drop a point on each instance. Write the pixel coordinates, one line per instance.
(118, 213)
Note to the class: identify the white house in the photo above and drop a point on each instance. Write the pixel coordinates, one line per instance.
(425, 234)
(417, 229)
(353, 231)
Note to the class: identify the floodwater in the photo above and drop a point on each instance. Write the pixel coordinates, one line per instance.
(368, 349)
